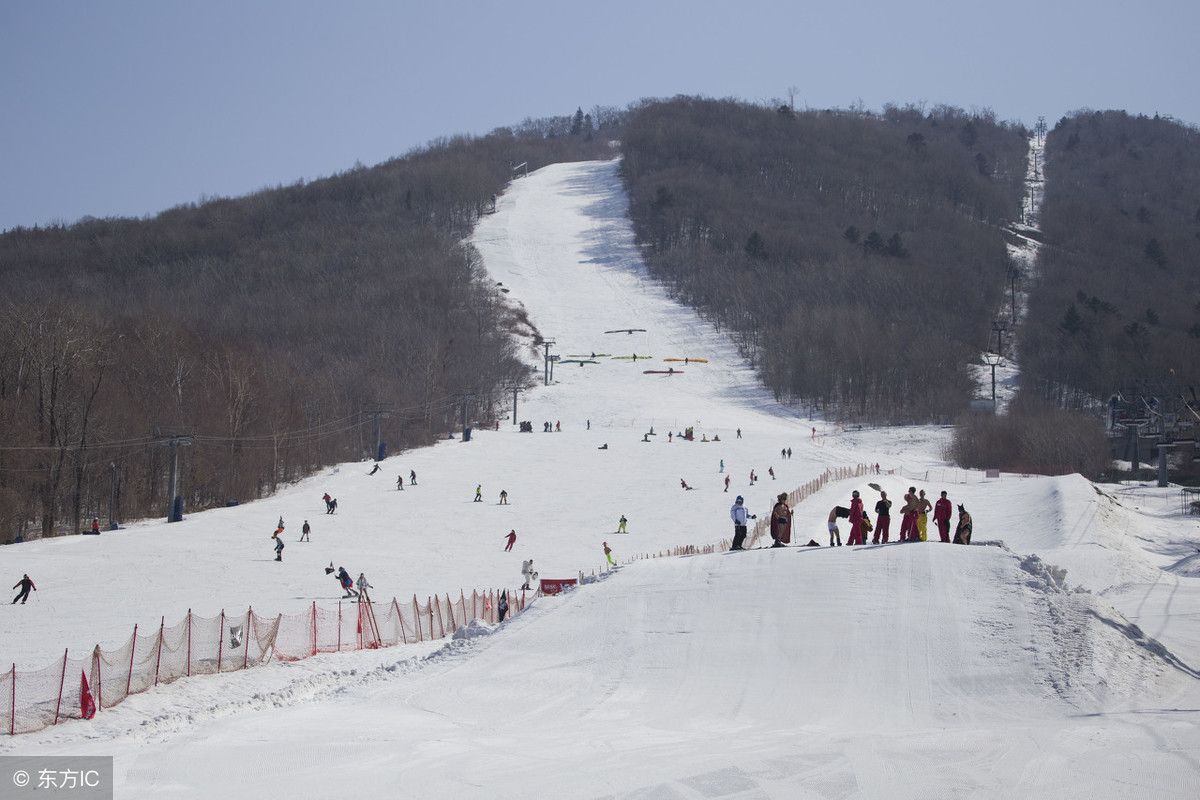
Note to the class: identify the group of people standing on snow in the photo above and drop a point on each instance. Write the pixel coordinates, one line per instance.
(914, 513)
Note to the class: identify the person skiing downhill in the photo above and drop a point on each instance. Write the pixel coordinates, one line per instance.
(363, 585)
(478, 494)
(304, 531)
(512, 539)
(608, 554)
(621, 524)
(739, 515)
(328, 501)
(26, 584)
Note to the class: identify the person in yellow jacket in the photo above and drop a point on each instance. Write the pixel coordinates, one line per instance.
(923, 509)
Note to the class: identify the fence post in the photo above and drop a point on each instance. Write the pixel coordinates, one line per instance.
(12, 716)
(220, 641)
(158, 658)
(189, 652)
(62, 683)
(99, 678)
(314, 627)
(132, 650)
(400, 618)
(249, 629)
(339, 626)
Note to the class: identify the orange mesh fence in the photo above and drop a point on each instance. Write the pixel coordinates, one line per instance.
(31, 700)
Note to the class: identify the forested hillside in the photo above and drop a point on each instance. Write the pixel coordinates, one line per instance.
(1118, 296)
(856, 258)
(267, 335)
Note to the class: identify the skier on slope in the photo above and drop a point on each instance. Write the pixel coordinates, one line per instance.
(278, 545)
(363, 585)
(527, 572)
(512, 539)
(26, 584)
(608, 554)
(739, 515)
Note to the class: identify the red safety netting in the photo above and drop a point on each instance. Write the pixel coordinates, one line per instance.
(75, 688)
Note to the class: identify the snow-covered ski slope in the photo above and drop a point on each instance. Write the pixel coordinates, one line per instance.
(898, 671)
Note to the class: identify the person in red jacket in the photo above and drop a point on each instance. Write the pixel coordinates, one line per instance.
(856, 520)
(942, 510)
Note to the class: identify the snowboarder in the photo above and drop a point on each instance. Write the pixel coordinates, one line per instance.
(781, 522)
(412, 478)
(328, 500)
(834, 534)
(400, 483)
(527, 572)
(752, 477)
(856, 520)
(722, 469)
(26, 584)
(304, 531)
(789, 452)
(333, 505)
(942, 510)
(363, 585)
(347, 583)
(512, 539)
(883, 518)
(621, 524)
(503, 497)
(374, 469)
(278, 544)
(727, 483)
(608, 554)
(739, 433)
(478, 493)
(738, 513)
(962, 534)
(683, 483)
(96, 525)
(771, 472)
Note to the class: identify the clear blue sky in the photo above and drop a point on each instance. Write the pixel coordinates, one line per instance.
(128, 107)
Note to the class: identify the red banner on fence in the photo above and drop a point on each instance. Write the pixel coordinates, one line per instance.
(557, 585)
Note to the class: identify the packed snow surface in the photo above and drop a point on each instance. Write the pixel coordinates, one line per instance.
(1054, 658)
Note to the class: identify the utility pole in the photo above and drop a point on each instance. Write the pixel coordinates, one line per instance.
(174, 437)
(378, 411)
(546, 362)
(462, 399)
(999, 327)
(112, 493)
(993, 361)
(515, 389)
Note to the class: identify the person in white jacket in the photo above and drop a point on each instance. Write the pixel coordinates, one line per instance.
(363, 585)
(527, 571)
(739, 515)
